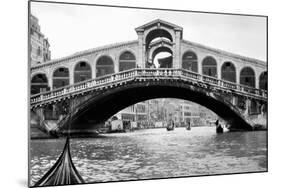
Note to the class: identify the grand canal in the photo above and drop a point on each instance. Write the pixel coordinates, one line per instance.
(156, 153)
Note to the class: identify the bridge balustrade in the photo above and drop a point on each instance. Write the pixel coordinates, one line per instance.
(190, 74)
(228, 84)
(144, 73)
(210, 79)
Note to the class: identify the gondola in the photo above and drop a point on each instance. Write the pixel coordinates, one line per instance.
(188, 127)
(219, 129)
(63, 172)
(170, 128)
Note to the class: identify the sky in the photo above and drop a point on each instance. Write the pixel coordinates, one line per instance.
(74, 28)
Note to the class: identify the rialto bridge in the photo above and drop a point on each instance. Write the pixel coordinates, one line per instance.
(90, 86)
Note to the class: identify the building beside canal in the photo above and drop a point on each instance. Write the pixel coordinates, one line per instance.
(39, 54)
(39, 44)
(182, 112)
(137, 112)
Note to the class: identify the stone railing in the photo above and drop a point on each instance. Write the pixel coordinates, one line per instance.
(108, 80)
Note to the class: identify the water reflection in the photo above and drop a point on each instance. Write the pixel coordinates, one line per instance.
(156, 153)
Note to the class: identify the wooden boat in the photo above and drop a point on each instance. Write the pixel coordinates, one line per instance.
(170, 128)
(219, 129)
(63, 172)
(188, 127)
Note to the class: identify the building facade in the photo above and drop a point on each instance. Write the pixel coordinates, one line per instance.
(137, 113)
(39, 45)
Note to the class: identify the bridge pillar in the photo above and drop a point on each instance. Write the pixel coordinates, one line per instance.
(141, 60)
(257, 80)
(234, 100)
(237, 75)
(71, 76)
(116, 66)
(50, 82)
(219, 64)
(50, 79)
(248, 106)
(93, 67)
(177, 53)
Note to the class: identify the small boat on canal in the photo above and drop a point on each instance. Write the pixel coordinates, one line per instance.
(188, 127)
(219, 128)
(171, 125)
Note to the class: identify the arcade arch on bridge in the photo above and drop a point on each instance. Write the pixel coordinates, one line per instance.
(104, 66)
(228, 72)
(189, 61)
(159, 43)
(60, 77)
(247, 77)
(160, 53)
(164, 57)
(157, 34)
(82, 72)
(209, 66)
(39, 84)
(127, 61)
(263, 81)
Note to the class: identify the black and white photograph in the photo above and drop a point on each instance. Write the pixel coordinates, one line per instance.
(120, 93)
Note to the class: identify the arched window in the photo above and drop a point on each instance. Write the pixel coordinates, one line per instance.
(247, 77)
(263, 81)
(60, 77)
(189, 61)
(228, 72)
(127, 61)
(82, 72)
(104, 66)
(209, 66)
(39, 84)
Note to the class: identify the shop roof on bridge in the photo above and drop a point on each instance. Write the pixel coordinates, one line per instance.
(156, 22)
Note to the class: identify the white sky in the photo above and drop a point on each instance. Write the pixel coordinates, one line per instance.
(73, 28)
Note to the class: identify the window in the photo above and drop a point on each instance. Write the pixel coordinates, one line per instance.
(127, 61)
(82, 64)
(189, 61)
(209, 66)
(228, 72)
(247, 77)
(39, 51)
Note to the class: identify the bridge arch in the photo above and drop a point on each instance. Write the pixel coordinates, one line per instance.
(127, 60)
(82, 71)
(263, 80)
(60, 77)
(228, 71)
(99, 107)
(39, 83)
(247, 77)
(104, 65)
(157, 33)
(166, 62)
(159, 47)
(209, 66)
(190, 61)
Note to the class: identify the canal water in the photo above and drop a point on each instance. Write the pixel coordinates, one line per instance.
(156, 153)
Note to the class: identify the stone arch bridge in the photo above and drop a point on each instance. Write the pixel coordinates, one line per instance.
(92, 85)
